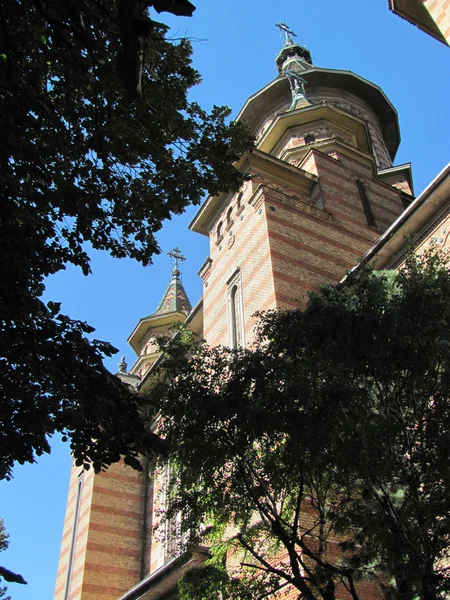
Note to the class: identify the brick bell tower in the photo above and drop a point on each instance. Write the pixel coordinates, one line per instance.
(322, 188)
(106, 547)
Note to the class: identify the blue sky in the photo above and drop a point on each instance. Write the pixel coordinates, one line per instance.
(236, 58)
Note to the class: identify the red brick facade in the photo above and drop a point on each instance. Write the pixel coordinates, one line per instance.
(321, 191)
(432, 16)
(104, 557)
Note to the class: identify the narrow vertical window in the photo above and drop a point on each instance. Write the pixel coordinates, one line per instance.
(172, 540)
(229, 218)
(219, 233)
(365, 203)
(74, 535)
(235, 317)
(239, 205)
(235, 314)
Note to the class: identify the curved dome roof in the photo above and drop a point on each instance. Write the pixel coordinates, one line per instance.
(273, 94)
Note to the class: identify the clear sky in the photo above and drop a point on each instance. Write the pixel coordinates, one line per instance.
(235, 52)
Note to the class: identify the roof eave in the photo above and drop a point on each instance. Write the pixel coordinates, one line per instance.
(422, 19)
(152, 322)
(164, 580)
(195, 314)
(404, 169)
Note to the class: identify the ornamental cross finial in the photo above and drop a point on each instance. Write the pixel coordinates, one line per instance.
(290, 35)
(175, 256)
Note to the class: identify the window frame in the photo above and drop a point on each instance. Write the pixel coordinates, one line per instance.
(219, 234)
(235, 321)
(366, 203)
(229, 218)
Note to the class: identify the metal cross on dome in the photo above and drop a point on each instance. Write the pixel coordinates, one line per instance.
(290, 35)
(175, 256)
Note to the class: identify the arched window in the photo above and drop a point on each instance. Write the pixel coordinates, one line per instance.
(239, 203)
(219, 234)
(229, 217)
(235, 309)
(309, 139)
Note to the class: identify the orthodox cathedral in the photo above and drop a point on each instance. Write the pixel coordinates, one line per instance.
(323, 192)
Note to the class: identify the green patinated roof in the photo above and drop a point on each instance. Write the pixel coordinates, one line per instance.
(175, 298)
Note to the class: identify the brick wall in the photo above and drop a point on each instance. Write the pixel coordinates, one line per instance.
(355, 106)
(244, 246)
(440, 13)
(107, 546)
(73, 546)
(284, 246)
(289, 231)
(349, 103)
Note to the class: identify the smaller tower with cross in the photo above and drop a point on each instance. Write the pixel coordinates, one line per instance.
(155, 329)
(293, 56)
(175, 257)
(292, 61)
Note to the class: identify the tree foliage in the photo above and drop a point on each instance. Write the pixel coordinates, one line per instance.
(204, 583)
(320, 458)
(82, 166)
(5, 573)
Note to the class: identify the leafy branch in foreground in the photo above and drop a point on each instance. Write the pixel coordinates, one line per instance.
(5, 573)
(81, 168)
(320, 458)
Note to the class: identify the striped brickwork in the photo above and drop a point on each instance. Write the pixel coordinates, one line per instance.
(319, 252)
(432, 16)
(108, 540)
(157, 548)
(359, 108)
(300, 222)
(316, 246)
(440, 13)
(337, 179)
(244, 246)
(282, 244)
(74, 541)
(285, 247)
